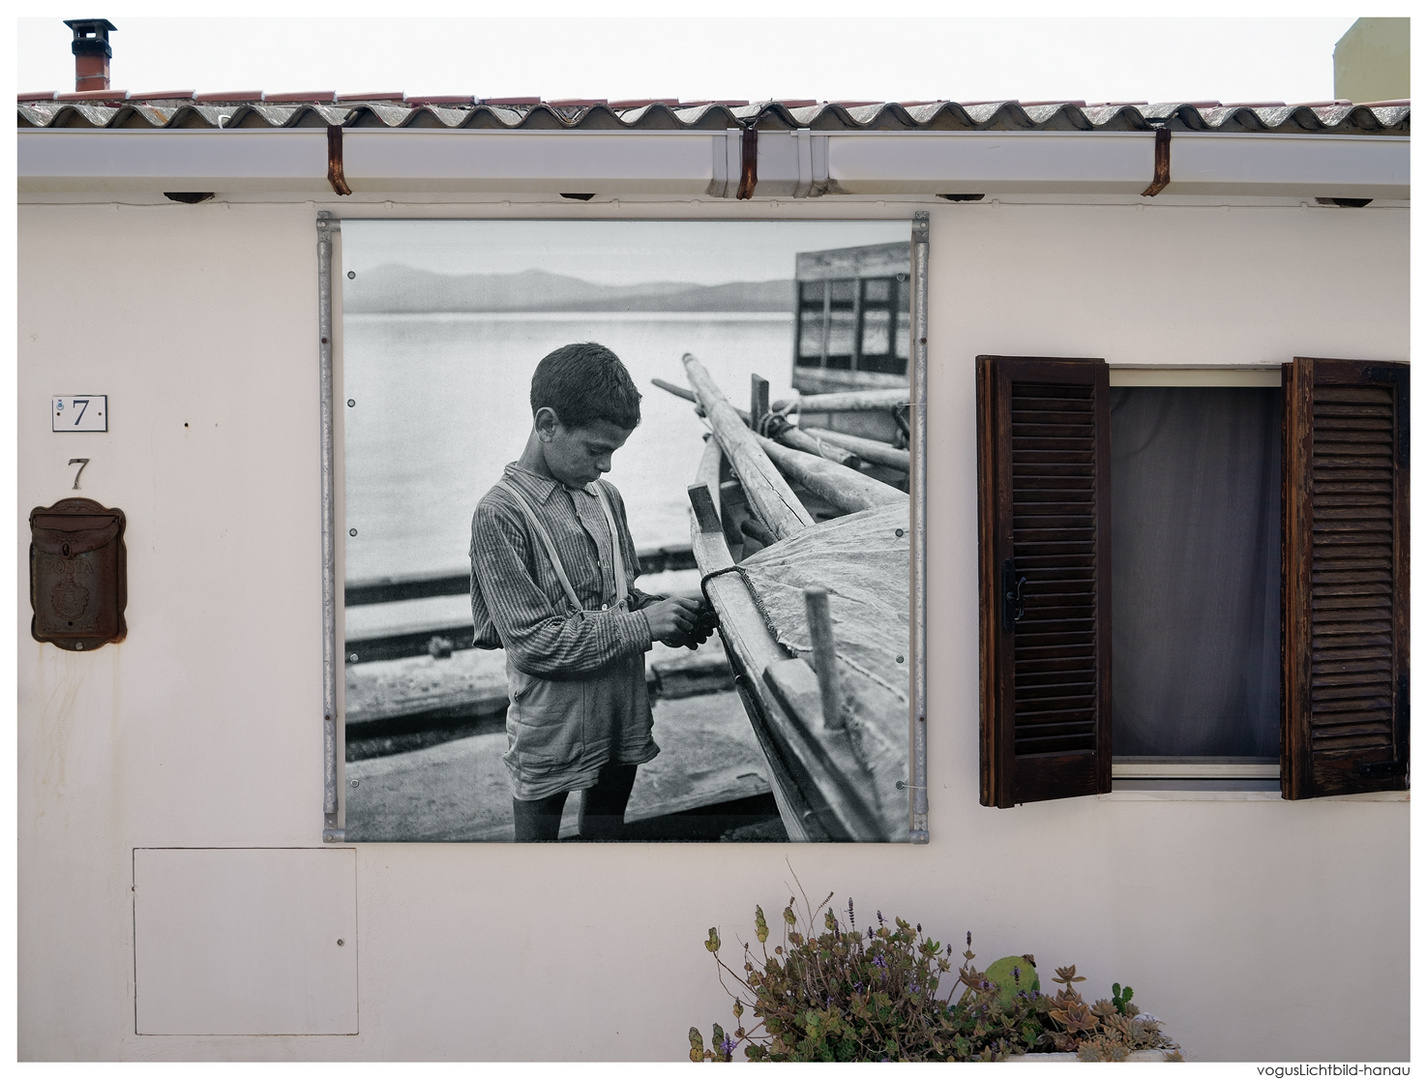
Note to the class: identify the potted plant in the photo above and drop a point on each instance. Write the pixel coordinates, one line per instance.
(871, 994)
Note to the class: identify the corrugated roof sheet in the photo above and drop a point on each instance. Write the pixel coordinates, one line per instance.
(184, 109)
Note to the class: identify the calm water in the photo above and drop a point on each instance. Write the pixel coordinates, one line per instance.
(442, 404)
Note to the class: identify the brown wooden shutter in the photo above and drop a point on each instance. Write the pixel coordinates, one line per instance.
(1044, 514)
(1345, 689)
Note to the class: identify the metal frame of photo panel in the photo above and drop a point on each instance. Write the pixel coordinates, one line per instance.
(333, 831)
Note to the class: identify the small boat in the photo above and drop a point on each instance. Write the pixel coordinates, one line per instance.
(805, 561)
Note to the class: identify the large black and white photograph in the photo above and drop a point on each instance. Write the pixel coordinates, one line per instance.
(625, 533)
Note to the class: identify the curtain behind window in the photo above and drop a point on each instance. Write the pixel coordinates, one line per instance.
(1195, 556)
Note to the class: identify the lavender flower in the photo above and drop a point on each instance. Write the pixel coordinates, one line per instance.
(727, 1046)
(878, 961)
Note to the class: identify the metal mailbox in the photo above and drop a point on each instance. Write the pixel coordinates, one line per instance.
(78, 586)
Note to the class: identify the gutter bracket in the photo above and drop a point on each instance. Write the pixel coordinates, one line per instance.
(728, 161)
(812, 154)
(804, 143)
(334, 160)
(1162, 164)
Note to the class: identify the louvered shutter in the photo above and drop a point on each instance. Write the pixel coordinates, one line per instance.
(1043, 458)
(1345, 690)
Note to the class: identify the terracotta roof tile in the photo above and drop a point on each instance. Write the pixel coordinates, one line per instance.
(94, 95)
(231, 95)
(303, 95)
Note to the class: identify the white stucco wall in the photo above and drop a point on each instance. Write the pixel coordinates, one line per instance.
(1257, 929)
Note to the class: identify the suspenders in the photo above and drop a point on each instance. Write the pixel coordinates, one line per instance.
(544, 537)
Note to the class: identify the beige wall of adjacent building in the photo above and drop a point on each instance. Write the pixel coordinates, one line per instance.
(1256, 928)
(1371, 61)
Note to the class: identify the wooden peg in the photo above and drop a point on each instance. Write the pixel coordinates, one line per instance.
(758, 401)
(825, 655)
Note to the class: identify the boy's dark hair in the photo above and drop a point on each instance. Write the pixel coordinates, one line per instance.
(583, 383)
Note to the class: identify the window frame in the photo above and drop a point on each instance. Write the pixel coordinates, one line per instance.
(1166, 773)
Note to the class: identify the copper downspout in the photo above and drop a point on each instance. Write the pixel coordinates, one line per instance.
(749, 178)
(1162, 163)
(334, 160)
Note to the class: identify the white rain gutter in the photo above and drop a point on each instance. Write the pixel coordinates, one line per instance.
(796, 164)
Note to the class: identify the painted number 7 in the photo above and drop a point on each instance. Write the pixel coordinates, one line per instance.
(83, 403)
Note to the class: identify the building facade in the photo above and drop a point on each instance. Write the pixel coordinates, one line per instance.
(176, 896)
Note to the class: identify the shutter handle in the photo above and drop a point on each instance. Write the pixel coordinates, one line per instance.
(1013, 603)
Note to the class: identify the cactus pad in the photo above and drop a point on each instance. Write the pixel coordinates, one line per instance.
(1009, 985)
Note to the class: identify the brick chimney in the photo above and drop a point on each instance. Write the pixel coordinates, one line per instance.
(91, 52)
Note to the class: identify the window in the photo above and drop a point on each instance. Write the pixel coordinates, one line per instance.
(854, 324)
(884, 318)
(1195, 581)
(1196, 554)
(811, 321)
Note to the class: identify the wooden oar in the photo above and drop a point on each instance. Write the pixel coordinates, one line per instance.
(773, 500)
(846, 489)
(870, 450)
(847, 401)
(782, 430)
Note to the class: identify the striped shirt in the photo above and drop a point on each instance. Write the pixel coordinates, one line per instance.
(517, 601)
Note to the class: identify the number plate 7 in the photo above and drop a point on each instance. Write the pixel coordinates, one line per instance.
(81, 412)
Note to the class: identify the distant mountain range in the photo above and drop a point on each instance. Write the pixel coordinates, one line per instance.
(392, 287)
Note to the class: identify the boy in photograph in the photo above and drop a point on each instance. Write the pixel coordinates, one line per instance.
(552, 564)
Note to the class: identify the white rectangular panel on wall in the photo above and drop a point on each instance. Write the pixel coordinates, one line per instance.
(245, 941)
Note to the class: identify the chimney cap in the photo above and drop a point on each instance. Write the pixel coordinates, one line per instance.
(91, 36)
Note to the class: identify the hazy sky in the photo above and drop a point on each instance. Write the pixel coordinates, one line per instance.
(748, 57)
(607, 252)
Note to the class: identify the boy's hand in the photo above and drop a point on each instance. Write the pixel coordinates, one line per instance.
(705, 623)
(674, 618)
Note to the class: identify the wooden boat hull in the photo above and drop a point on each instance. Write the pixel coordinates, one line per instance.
(829, 784)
